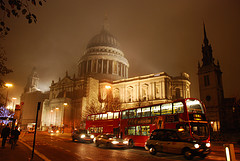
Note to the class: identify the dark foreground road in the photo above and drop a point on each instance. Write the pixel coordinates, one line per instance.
(61, 148)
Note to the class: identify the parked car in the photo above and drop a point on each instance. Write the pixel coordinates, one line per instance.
(174, 141)
(110, 141)
(82, 136)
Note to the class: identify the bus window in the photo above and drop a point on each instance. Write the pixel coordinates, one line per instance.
(100, 117)
(139, 112)
(145, 130)
(132, 113)
(89, 118)
(194, 106)
(155, 110)
(116, 115)
(100, 129)
(138, 130)
(178, 107)
(146, 112)
(131, 130)
(166, 109)
(97, 117)
(104, 116)
(110, 115)
(92, 117)
(125, 114)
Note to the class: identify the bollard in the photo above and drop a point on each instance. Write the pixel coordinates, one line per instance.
(229, 151)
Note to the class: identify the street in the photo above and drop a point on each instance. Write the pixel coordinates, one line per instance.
(59, 147)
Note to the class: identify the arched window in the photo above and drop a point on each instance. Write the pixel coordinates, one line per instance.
(116, 93)
(145, 92)
(178, 93)
(129, 94)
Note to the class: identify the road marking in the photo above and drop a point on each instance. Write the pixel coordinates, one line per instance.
(36, 152)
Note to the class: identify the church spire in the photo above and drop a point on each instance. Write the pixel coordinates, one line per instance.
(206, 50)
(205, 35)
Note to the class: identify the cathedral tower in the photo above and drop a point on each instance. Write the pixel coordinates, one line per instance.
(32, 82)
(210, 84)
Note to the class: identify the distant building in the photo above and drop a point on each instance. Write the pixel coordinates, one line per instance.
(220, 110)
(103, 64)
(29, 100)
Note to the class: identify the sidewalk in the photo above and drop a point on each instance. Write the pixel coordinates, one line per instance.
(20, 153)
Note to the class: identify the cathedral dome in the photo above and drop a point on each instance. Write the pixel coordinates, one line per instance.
(104, 38)
(102, 59)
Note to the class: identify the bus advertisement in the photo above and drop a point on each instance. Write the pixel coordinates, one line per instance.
(136, 124)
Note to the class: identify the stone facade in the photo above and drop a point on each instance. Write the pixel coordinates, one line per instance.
(104, 65)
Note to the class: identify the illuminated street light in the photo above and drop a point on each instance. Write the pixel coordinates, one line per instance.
(108, 87)
(7, 85)
(57, 108)
(65, 104)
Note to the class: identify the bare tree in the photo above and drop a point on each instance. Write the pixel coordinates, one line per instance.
(15, 8)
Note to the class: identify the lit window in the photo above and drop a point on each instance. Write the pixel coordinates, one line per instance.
(166, 109)
(155, 110)
(131, 130)
(104, 116)
(178, 107)
(146, 112)
(116, 115)
(145, 130)
(110, 115)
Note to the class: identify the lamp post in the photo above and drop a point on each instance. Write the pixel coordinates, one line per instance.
(108, 89)
(7, 85)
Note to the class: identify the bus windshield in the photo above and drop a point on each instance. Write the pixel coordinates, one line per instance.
(200, 130)
(194, 106)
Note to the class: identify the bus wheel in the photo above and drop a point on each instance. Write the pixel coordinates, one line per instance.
(188, 154)
(152, 150)
(131, 144)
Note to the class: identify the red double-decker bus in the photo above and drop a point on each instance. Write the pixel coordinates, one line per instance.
(104, 123)
(136, 124)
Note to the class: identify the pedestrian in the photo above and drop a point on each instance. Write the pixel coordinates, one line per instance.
(14, 137)
(5, 133)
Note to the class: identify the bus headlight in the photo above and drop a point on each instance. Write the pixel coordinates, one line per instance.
(115, 142)
(125, 142)
(83, 136)
(208, 145)
(196, 146)
(91, 136)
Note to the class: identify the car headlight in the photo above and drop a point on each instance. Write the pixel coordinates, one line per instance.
(91, 136)
(57, 131)
(196, 146)
(115, 142)
(83, 136)
(208, 145)
(125, 142)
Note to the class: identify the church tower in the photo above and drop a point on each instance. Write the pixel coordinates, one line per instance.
(210, 84)
(32, 82)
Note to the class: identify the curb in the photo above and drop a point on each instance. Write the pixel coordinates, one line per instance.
(35, 151)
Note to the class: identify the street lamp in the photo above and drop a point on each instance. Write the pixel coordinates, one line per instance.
(7, 85)
(108, 89)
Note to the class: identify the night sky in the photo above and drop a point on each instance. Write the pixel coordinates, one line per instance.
(154, 35)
